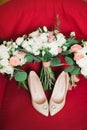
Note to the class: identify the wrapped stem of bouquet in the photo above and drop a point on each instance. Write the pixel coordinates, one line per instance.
(47, 76)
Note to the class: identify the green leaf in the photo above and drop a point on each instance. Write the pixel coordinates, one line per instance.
(1, 66)
(47, 56)
(58, 23)
(69, 69)
(55, 62)
(69, 60)
(29, 58)
(20, 76)
(75, 71)
(67, 52)
(24, 85)
(71, 41)
(38, 59)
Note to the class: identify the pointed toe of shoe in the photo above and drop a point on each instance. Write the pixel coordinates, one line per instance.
(58, 97)
(42, 108)
(39, 100)
(56, 107)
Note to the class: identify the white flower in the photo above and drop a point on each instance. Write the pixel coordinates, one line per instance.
(43, 37)
(82, 62)
(22, 60)
(83, 50)
(7, 69)
(43, 53)
(53, 49)
(35, 50)
(34, 34)
(26, 46)
(30, 42)
(84, 71)
(45, 28)
(19, 41)
(84, 43)
(4, 62)
(60, 39)
(64, 48)
(72, 34)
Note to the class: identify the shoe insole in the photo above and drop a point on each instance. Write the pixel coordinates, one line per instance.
(36, 89)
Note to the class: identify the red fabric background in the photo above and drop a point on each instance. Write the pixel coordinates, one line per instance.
(24, 16)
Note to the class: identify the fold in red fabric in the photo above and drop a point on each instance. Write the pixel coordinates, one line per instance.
(22, 17)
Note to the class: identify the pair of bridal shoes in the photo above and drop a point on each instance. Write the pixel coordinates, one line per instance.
(58, 97)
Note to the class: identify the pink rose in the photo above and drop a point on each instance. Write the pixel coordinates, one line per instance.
(70, 87)
(50, 38)
(75, 48)
(56, 31)
(74, 78)
(14, 61)
(78, 56)
(59, 49)
(22, 53)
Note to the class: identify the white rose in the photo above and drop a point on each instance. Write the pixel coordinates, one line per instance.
(45, 28)
(4, 52)
(4, 62)
(53, 49)
(64, 48)
(23, 60)
(9, 70)
(26, 46)
(84, 71)
(43, 37)
(43, 53)
(82, 62)
(83, 50)
(19, 41)
(60, 39)
(72, 34)
(34, 34)
(35, 51)
(84, 43)
(30, 42)
(3, 70)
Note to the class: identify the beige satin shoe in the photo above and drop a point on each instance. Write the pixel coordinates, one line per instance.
(58, 96)
(39, 100)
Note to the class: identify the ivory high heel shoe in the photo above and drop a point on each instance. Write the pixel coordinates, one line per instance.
(58, 96)
(39, 100)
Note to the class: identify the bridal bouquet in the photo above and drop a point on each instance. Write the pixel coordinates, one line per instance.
(43, 46)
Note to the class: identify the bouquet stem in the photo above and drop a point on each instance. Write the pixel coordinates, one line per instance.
(47, 76)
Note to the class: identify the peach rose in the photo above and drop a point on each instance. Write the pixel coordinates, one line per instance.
(22, 53)
(74, 78)
(56, 31)
(59, 49)
(70, 87)
(50, 38)
(75, 48)
(14, 61)
(78, 56)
